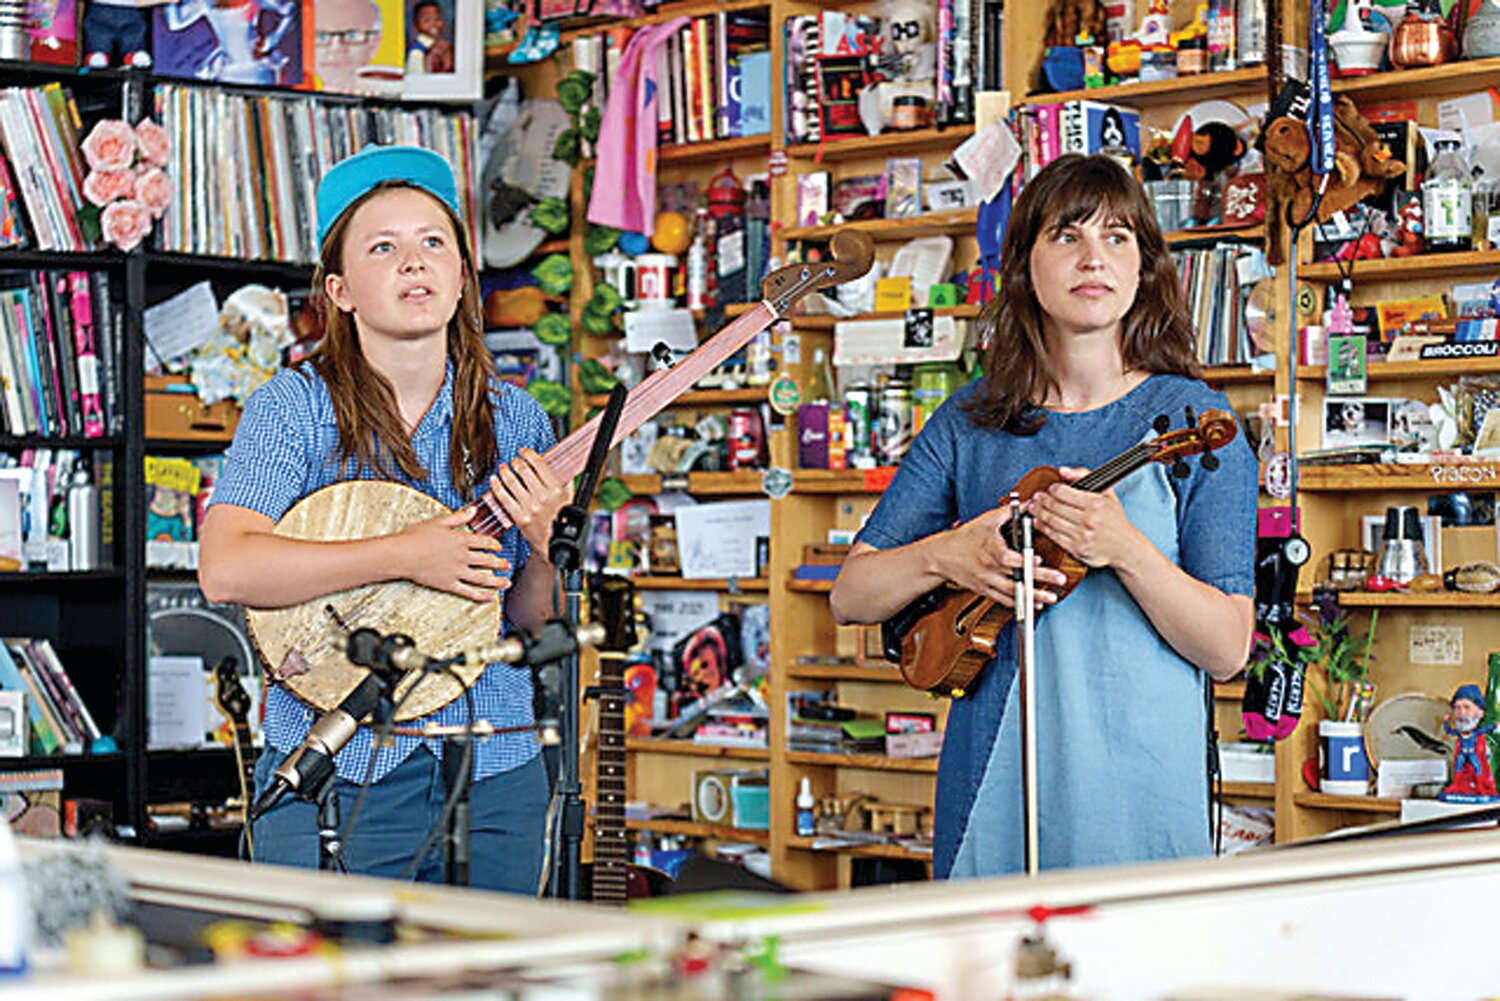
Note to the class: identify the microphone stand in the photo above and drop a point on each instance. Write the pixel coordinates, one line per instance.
(565, 551)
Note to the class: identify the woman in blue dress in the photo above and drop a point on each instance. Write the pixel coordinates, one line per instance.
(1089, 340)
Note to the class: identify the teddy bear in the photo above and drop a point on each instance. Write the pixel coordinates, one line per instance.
(1362, 165)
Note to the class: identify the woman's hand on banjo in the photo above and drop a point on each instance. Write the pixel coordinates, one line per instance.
(531, 495)
(442, 553)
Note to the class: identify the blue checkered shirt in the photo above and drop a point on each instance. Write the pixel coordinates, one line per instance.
(284, 449)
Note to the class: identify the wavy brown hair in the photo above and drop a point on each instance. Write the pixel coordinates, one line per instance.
(1156, 335)
(371, 431)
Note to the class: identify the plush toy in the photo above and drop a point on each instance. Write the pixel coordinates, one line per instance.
(1362, 166)
(1206, 151)
(1071, 18)
(115, 26)
(1407, 239)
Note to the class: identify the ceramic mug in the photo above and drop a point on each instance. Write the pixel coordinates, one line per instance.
(653, 282)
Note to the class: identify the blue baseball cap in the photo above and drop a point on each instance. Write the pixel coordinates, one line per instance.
(350, 180)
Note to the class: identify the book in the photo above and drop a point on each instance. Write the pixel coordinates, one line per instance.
(44, 737)
(32, 801)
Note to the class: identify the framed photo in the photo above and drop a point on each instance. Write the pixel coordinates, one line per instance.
(1372, 527)
(1356, 420)
(443, 63)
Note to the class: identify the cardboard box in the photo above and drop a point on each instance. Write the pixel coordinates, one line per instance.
(174, 412)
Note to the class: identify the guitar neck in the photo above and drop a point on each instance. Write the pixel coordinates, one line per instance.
(610, 850)
(568, 457)
(244, 750)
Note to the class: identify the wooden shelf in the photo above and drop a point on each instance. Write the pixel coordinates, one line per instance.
(1249, 790)
(957, 222)
(729, 484)
(1462, 77)
(1220, 232)
(1398, 476)
(863, 851)
(1178, 90)
(828, 322)
(1355, 804)
(704, 397)
(845, 672)
(1404, 599)
(1432, 368)
(861, 146)
(842, 481)
(695, 830)
(1458, 265)
(1223, 375)
(658, 745)
(714, 149)
(869, 762)
(809, 586)
(648, 583)
(1229, 690)
(667, 11)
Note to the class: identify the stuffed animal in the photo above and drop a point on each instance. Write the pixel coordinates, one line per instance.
(115, 26)
(1071, 18)
(1206, 151)
(1407, 239)
(1362, 166)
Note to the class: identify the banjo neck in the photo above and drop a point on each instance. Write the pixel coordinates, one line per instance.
(567, 458)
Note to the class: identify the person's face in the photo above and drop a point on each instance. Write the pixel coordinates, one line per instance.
(1085, 274)
(402, 268)
(1466, 714)
(346, 36)
(430, 20)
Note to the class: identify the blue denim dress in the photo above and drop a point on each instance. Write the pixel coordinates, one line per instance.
(1120, 715)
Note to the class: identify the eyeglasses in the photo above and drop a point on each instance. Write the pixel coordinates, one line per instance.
(353, 36)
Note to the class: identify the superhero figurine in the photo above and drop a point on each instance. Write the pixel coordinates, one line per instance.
(1472, 781)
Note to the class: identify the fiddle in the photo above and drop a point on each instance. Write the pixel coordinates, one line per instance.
(943, 638)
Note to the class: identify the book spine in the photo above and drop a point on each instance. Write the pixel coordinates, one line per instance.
(86, 349)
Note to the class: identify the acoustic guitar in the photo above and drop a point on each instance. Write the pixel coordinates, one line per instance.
(943, 639)
(296, 642)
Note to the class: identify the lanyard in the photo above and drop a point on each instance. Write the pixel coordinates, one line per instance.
(1320, 121)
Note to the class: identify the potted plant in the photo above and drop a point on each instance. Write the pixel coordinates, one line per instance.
(1346, 698)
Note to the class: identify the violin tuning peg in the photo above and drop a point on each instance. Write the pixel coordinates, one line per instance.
(1210, 461)
(1180, 469)
(1162, 424)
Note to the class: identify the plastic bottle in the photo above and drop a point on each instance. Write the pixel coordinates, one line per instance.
(820, 380)
(806, 826)
(1447, 196)
(697, 263)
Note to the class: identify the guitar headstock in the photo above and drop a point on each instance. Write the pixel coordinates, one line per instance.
(612, 604)
(1212, 430)
(229, 693)
(853, 253)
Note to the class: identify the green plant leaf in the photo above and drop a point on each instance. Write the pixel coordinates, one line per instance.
(593, 377)
(612, 494)
(551, 215)
(566, 147)
(589, 126)
(594, 322)
(599, 239)
(554, 275)
(553, 396)
(554, 330)
(606, 299)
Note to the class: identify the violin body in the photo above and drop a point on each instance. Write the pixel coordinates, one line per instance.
(957, 630)
(944, 638)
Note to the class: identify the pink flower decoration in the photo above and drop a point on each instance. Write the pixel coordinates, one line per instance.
(156, 145)
(104, 186)
(125, 223)
(154, 190)
(110, 146)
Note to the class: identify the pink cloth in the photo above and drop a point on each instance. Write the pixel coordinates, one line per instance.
(625, 166)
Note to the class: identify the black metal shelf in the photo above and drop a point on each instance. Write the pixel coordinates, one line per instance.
(21, 258)
(103, 575)
(287, 271)
(9, 443)
(37, 762)
(185, 446)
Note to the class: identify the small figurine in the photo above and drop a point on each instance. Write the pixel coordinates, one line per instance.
(111, 27)
(1472, 781)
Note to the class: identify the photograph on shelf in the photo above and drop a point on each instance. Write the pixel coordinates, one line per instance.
(1355, 420)
(359, 47)
(443, 63)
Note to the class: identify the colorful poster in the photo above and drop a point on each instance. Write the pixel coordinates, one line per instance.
(256, 42)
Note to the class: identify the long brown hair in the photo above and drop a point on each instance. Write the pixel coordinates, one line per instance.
(1156, 334)
(371, 431)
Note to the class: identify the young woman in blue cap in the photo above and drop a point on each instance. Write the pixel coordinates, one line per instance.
(1089, 341)
(400, 388)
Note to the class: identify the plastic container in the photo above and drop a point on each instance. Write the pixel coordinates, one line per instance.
(806, 820)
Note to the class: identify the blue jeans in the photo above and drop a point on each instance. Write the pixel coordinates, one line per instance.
(506, 832)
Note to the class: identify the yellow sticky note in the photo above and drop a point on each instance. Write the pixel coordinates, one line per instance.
(893, 295)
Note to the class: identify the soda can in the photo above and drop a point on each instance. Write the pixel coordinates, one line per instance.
(894, 422)
(934, 384)
(745, 438)
(859, 401)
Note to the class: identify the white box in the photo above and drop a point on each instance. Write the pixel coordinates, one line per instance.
(15, 734)
(1395, 777)
(1238, 763)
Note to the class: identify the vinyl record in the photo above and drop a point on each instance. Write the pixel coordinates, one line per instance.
(521, 171)
(1395, 727)
(1260, 316)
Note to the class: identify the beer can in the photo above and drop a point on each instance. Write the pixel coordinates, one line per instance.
(745, 439)
(859, 402)
(934, 384)
(894, 422)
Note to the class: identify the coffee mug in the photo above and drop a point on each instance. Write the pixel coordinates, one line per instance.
(653, 282)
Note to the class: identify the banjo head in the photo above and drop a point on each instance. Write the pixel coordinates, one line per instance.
(297, 643)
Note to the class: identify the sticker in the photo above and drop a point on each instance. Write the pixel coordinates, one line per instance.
(778, 163)
(1279, 476)
(674, 481)
(918, 328)
(776, 482)
(785, 395)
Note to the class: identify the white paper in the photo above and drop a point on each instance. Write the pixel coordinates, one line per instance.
(10, 523)
(987, 158)
(175, 713)
(673, 327)
(718, 540)
(1467, 112)
(673, 614)
(1396, 776)
(181, 323)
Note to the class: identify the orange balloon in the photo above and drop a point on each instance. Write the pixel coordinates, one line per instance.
(673, 234)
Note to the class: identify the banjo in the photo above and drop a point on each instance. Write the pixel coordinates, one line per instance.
(300, 643)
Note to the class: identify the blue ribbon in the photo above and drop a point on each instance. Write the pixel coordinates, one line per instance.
(1320, 122)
